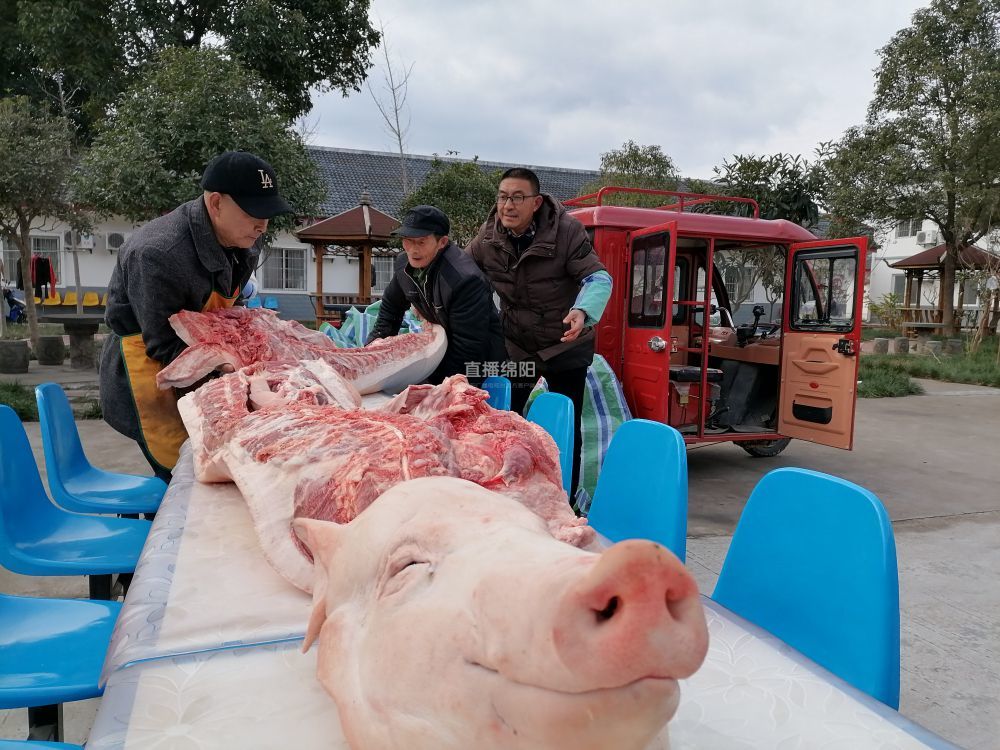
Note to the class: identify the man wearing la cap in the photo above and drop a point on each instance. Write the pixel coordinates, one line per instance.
(436, 277)
(197, 257)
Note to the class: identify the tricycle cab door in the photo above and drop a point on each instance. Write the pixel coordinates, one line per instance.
(650, 279)
(821, 340)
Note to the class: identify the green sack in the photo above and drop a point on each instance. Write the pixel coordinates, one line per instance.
(604, 410)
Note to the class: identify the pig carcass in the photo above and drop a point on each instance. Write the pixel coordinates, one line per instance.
(302, 451)
(449, 618)
(239, 336)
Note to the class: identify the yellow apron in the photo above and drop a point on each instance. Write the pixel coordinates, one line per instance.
(159, 421)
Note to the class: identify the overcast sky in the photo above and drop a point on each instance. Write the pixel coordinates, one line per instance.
(557, 83)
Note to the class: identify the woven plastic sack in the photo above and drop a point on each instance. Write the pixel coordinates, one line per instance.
(604, 410)
(358, 324)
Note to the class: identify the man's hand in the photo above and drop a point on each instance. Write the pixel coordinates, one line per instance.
(575, 321)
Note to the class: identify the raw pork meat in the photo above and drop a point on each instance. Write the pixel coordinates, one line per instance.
(296, 457)
(239, 336)
(216, 409)
(448, 619)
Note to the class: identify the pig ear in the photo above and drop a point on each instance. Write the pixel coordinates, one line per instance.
(320, 538)
(318, 615)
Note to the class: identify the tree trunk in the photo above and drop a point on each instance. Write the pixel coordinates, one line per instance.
(23, 241)
(948, 290)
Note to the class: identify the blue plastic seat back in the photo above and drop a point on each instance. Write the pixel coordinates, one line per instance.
(76, 485)
(53, 649)
(38, 538)
(253, 302)
(642, 488)
(553, 412)
(64, 456)
(23, 501)
(813, 561)
(37, 745)
(499, 389)
(271, 303)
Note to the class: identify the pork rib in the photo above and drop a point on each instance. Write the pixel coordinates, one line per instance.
(296, 456)
(239, 336)
(215, 410)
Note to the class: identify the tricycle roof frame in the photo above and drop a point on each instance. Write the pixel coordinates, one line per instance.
(592, 212)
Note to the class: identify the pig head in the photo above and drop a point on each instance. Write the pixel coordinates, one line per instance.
(449, 617)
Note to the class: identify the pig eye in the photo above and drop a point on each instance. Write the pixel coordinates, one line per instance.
(405, 565)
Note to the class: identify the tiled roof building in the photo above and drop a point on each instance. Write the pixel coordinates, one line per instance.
(347, 172)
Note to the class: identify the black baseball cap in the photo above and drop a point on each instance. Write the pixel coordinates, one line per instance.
(248, 180)
(421, 221)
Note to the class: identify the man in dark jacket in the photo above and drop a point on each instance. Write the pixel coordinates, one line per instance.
(197, 257)
(552, 286)
(437, 278)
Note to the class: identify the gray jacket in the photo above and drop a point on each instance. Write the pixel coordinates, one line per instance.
(173, 263)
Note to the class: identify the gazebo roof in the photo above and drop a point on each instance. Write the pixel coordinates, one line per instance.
(363, 224)
(969, 256)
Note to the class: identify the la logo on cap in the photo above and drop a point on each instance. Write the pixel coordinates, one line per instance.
(265, 179)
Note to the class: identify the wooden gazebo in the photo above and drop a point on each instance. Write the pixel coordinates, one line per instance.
(927, 265)
(359, 232)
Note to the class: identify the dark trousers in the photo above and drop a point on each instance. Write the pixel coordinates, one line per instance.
(571, 383)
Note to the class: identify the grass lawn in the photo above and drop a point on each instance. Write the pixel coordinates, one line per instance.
(889, 374)
(16, 331)
(21, 399)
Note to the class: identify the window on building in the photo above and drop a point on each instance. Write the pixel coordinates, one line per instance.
(284, 268)
(48, 247)
(970, 292)
(908, 227)
(738, 280)
(10, 258)
(899, 285)
(382, 267)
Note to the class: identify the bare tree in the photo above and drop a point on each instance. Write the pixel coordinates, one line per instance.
(392, 104)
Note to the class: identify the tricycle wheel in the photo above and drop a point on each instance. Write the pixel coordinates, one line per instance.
(765, 448)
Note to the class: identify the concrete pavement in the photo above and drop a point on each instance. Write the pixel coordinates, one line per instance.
(933, 460)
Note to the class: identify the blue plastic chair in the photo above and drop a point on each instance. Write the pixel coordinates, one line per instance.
(75, 484)
(271, 303)
(813, 561)
(642, 488)
(33, 745)
(499, 389)
(554, 413)
(52, 652)
(37, 538)
(253, 302)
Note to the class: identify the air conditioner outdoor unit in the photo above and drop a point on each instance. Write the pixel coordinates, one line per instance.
(84, 241)
(927, 238)
(115, 240)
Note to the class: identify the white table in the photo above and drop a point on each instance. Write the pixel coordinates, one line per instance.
(202, 582)
(752, 692)
(206, 655)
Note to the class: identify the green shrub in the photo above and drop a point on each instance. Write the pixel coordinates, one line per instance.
(888, 309)
(90, 409)
(21, 399)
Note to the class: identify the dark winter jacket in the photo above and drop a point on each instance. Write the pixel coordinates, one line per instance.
(537, 288)
(455, 295)
(173, 263)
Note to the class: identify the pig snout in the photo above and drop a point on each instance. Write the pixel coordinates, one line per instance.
(635, 614)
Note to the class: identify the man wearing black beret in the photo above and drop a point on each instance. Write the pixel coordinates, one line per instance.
(198, 257)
